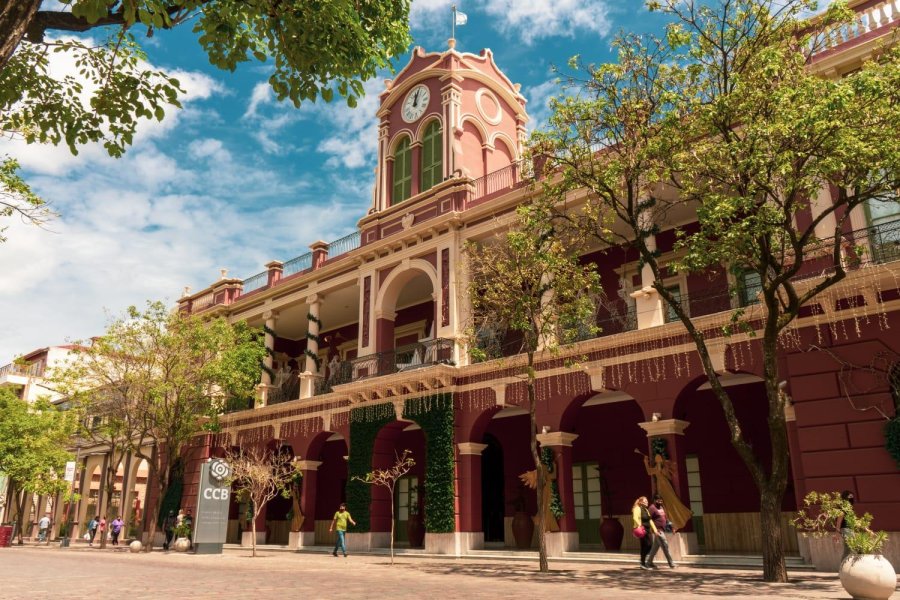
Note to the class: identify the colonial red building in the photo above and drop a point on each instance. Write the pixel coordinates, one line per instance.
(368, 357)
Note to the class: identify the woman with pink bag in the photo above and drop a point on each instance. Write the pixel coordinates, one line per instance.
(644, 528)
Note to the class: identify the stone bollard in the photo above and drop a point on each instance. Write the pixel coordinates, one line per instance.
(135, 546)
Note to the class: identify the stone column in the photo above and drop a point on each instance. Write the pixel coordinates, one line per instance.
(311, 369)
(307, 535)
(266, 382)
(672, 430)
(566, 539)
(648, 304)
(416, 157)
(468, 490)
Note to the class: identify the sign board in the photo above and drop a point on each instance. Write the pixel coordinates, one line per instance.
(70, 471)
(213, 499)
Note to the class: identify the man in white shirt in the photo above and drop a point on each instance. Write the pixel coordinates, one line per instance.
(43, 528)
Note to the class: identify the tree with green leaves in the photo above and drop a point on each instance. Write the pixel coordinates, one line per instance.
(314, 49)
(33, 441)
(259, 475)
(388, 478)
(725, 120)
(158, 378)
(528, 281)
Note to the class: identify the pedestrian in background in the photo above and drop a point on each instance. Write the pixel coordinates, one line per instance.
(115, 528)
(169, 528)
(43, 528)
(339, 523)
(663, 526)
(92, 530)
(644, 528)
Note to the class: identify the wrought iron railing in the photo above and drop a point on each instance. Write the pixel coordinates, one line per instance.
(295, 265)
(258, 281)
(406, 358)
(343, 245)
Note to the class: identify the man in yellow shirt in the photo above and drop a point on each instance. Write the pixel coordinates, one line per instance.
(339, 523)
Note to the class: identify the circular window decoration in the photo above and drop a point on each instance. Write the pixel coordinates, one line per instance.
(489, 106)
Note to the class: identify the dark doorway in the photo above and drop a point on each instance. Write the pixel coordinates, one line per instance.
(492, 500)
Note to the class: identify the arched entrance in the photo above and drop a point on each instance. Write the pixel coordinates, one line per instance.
(493, 502)
(723, 496)
(391, 441)
(405, 316)
(607, 475)
(330, 486)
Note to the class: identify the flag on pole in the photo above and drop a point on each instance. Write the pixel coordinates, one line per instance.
(461, 18)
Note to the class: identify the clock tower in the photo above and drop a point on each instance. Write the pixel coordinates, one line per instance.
(446, 115)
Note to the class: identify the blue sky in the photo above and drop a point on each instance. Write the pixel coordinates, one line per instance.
(235, 179)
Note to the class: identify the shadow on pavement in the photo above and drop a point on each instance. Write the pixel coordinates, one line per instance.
(699, 583)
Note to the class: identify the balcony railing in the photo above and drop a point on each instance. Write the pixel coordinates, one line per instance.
(406, 358)
(867, 20)
(28, 370)
(295, 265)
(502, 180)
(258, 281)
(344, 245)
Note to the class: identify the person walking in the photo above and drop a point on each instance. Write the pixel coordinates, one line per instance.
(663, 526)
(169, 528)
(43, 528)
(115, 528)
(644, 528)
(339, 523)
(102, 529)
(92, 530)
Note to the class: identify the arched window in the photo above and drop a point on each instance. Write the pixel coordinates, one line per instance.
(431, 156)
(402, 172)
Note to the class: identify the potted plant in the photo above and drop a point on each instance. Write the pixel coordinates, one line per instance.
(182, 533)
(611, 530)
(864, 572)
(415, 526)
(522, 523)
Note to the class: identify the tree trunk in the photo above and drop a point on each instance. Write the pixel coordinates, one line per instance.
(543, 564)
(15, 18)
(20, 517)
(774, 568)
(392, 525)
(253, 531)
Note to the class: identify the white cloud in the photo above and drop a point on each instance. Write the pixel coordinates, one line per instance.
(537, 19)
(539, 97)
(262, 94)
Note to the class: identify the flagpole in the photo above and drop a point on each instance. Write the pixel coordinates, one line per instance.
(453, 24)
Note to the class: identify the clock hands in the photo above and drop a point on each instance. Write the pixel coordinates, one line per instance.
(416, 98)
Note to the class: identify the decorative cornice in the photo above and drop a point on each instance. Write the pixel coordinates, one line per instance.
(471, 448)
(556, 438)
(308, 465)
(664, 427)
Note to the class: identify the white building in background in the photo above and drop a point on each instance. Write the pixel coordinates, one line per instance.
(26, 375)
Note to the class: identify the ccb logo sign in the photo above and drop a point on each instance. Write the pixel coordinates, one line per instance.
(219, 470)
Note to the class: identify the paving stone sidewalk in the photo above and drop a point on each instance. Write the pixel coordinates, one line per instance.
(89, 573)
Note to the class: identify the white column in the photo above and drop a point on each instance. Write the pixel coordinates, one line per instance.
(311, 371)
(647, 302)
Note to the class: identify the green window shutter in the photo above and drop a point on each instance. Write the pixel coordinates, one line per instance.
(431, 156)
(402, 172)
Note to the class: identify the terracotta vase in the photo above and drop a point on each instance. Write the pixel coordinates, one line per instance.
(415, 531)
(523, 529)
(611, 532)
(868, 577)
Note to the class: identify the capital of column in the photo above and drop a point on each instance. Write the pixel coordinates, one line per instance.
(270, 315)
(664, 427)
(556, 438)
(385, 314)
(789, 413)
(308, 465)
(313, 299)
(471, 448)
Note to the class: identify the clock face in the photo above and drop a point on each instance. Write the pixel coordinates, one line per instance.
(415, 103)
